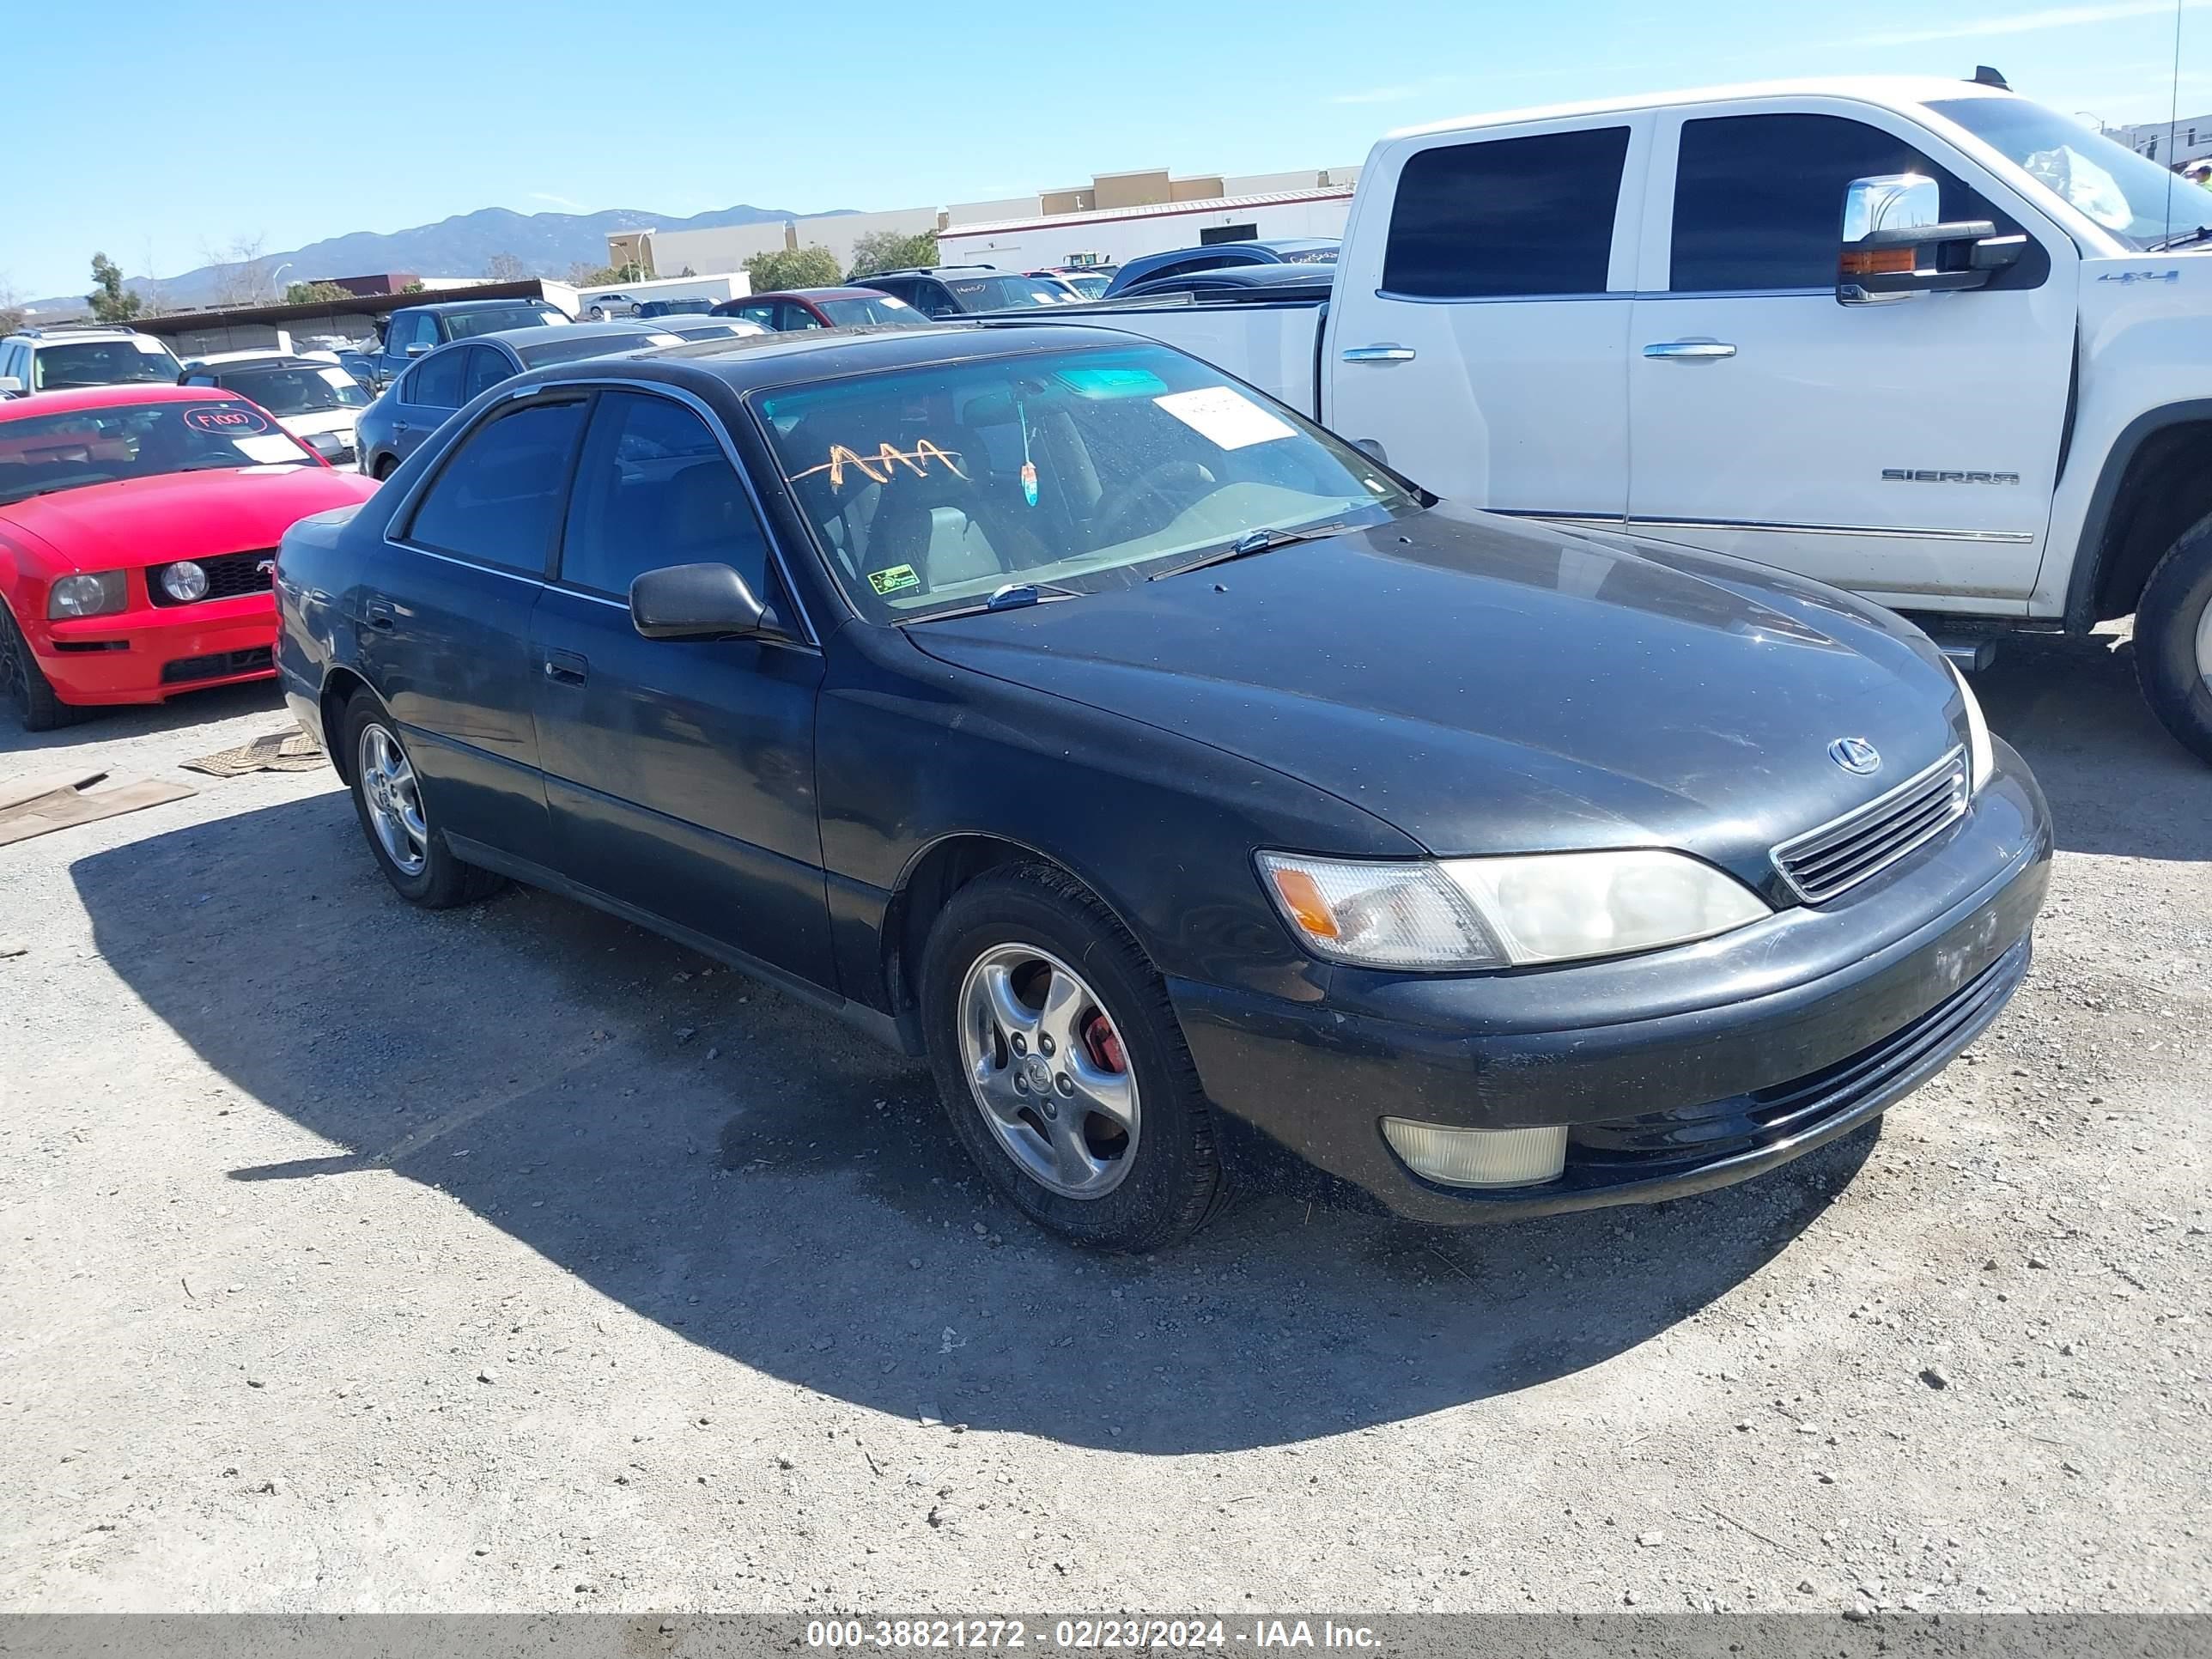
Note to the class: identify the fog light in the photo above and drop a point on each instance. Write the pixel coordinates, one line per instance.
(1479, 1157)
(185, 582)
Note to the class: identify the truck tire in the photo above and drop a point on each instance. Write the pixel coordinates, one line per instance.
(2174, 640)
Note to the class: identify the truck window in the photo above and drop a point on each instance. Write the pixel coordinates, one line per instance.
(1506, 217)
(1758, 199)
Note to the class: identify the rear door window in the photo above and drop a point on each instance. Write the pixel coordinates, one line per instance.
(487, 368)
(1506, 217)
(499, 497)
(435, 382)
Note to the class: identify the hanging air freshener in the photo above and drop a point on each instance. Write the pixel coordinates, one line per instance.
(1029, 467)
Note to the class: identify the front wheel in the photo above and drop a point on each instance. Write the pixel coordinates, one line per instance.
(387, 797)
(2174, 640)
(23, 682)
(1061, 1066)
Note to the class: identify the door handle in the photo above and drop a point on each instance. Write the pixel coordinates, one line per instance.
(1690, 351)
(1385, 353)
(566, 668)
(380, 617)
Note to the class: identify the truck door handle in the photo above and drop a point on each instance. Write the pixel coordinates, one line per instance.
(1690, 351)
(1386, 353)
(566, 668)
(380, 617)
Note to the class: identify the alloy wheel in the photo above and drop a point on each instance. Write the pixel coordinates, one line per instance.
(2204, 643)
(394, 800)
(1046, 1068)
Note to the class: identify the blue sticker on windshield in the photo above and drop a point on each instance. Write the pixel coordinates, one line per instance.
(1111, 382)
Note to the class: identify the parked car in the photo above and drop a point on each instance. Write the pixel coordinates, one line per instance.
(138, 528)
(1304, 284)
(602, 307)
(416, 330)
(954, 290)
(1203, 799)
(419, 402)
(1089, 282)
(822, 307)
(1176, 262)
(708, 328)
(695, 306)
(318, 403)
(2000, 426)
(65, 355)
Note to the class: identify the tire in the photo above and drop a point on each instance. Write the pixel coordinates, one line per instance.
(24, 684)
(423, 871)
(1137, 1184)
(2174, 640)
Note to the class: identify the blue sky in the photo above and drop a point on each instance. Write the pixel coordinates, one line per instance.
(401, 113)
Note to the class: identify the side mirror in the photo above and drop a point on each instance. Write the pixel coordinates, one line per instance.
(697, 602)
(11, 385)
(417, 349)
(1896, 244)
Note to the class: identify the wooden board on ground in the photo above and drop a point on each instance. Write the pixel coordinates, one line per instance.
(277, 751)
(66, 801)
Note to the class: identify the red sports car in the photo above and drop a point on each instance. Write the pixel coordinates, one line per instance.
(138, 531)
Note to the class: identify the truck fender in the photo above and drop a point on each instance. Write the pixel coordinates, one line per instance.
(2105, 544)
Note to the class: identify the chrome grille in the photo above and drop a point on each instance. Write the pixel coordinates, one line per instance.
(1843, 853)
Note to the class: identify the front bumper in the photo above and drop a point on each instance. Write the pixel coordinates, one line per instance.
(1676, 1071)
(151, 653)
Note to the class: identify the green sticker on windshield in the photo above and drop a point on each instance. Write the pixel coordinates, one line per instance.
(1111, 382)
(890, 580)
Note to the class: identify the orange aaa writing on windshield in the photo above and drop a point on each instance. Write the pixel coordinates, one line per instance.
(886, 461)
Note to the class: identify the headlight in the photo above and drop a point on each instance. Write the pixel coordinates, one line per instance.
(93, 595)
(1981, 759)
(184, 581)
(1505, 912)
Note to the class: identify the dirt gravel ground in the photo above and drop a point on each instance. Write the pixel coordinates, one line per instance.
(511, 1258)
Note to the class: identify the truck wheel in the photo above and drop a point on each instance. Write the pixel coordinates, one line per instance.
(2174, 640)
(1063, 1066)
(25, 684)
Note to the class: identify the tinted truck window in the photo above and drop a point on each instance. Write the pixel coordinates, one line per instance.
(1758, 199)
(1506, 216)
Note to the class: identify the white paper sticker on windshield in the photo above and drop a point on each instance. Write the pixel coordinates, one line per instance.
(151, 348)
(270, 448)
(337, 377)
(1224, 414)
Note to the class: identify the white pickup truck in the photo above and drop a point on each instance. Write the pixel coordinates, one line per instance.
(1923, 339)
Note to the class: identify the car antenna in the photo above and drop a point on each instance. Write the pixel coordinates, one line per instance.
(1986, 77)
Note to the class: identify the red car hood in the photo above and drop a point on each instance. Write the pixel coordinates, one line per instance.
(181, 515)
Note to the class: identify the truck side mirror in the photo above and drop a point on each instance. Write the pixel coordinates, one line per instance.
(10, 386)
(417, 349)
(1896, 243)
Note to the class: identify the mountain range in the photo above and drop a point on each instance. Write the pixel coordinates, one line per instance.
(547, 244)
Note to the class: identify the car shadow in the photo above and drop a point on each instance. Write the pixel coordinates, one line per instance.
(142, 719)
(745, 1170)
(2117, 781)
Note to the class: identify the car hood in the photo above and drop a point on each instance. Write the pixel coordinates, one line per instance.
(143, 521)
(1488, 686)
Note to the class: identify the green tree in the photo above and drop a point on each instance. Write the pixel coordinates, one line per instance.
(415, 287)
(891, 250)
(110, 301)
(786, 268)
(306, 293)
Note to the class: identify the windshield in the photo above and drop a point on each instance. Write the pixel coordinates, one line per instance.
(2137, 200)
(459, 324)
(877, 309)
(928, 489)
(312, 391)
(1091, 285)
(675, 308)
(102, 362)
(1000, 293)
(42, 453)
(534, 356)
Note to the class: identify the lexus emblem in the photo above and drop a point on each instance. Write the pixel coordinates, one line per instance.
(1856, 755)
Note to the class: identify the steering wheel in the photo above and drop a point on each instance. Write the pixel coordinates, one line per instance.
(1162, 485)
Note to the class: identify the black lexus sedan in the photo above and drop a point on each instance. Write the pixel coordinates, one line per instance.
(1209, 804)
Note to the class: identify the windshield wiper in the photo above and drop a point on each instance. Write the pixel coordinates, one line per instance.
(1255, 541)
(2180, 239)
(1013, 596)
